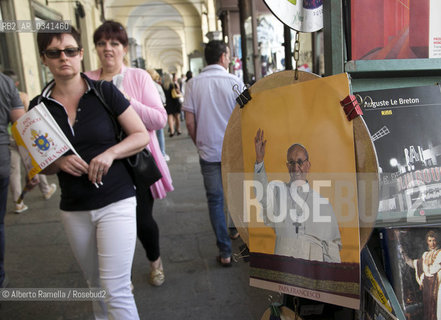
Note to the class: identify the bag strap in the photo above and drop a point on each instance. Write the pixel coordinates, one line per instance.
(99, 93)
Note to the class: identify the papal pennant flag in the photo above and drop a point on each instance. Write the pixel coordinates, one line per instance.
(39, 139)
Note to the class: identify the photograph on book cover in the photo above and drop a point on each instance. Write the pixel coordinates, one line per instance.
(404, 126)
(407, 29)
(413, 264)
(302, 212)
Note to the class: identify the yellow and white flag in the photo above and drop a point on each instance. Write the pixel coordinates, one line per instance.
(39, 139)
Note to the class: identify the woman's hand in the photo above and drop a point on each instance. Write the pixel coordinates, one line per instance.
(30, 184)
(100, 165)
(73, 165)
(259, 145)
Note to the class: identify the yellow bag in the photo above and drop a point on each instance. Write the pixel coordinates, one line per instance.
(175, 94)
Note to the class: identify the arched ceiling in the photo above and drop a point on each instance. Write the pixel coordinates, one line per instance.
(166, 30)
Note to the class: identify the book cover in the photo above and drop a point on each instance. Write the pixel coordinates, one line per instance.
(374, 280)
(397, 30)
(413, 263)
(373, 309)
(404, 126)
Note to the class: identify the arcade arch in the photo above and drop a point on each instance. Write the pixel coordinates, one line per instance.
(165, 31)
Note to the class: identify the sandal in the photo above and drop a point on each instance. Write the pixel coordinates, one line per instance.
(157, 277)
(224, 262)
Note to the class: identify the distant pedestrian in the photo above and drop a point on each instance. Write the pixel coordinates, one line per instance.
(208, 104)
(181, 81)
(160, 132)
(11, 108)
(188, 75)
(15, 175)
(173, 106)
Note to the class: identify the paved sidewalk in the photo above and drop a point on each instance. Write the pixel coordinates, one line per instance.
(38, 256)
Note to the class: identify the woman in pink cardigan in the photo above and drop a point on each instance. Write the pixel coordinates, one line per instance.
(111, 43)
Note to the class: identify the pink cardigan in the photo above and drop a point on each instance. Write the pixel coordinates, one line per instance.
(145, 100)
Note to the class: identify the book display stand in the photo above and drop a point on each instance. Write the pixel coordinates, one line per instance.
(394, 80)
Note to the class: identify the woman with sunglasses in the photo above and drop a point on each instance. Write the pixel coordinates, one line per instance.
(98, 203)
(111, 43)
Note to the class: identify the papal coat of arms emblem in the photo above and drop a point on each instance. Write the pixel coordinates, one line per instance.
(41, 141)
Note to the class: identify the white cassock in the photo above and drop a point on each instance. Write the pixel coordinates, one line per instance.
(304, 222)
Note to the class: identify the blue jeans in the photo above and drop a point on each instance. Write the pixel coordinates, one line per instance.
(161, 141)
(211, 171)
(3, 197)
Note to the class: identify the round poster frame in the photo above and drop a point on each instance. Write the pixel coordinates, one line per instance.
(365, 156)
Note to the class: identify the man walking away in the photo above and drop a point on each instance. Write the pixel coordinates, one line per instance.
(208, 104)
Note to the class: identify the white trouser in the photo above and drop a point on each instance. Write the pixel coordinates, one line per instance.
(103, 242)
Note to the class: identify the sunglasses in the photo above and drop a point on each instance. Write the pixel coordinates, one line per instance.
(56, 53)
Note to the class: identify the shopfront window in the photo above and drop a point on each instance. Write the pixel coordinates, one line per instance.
(249, 49)
(236, 56)
(196, 62)
(271, 50)
(269, 42)
(270, 39)
(9, 48)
